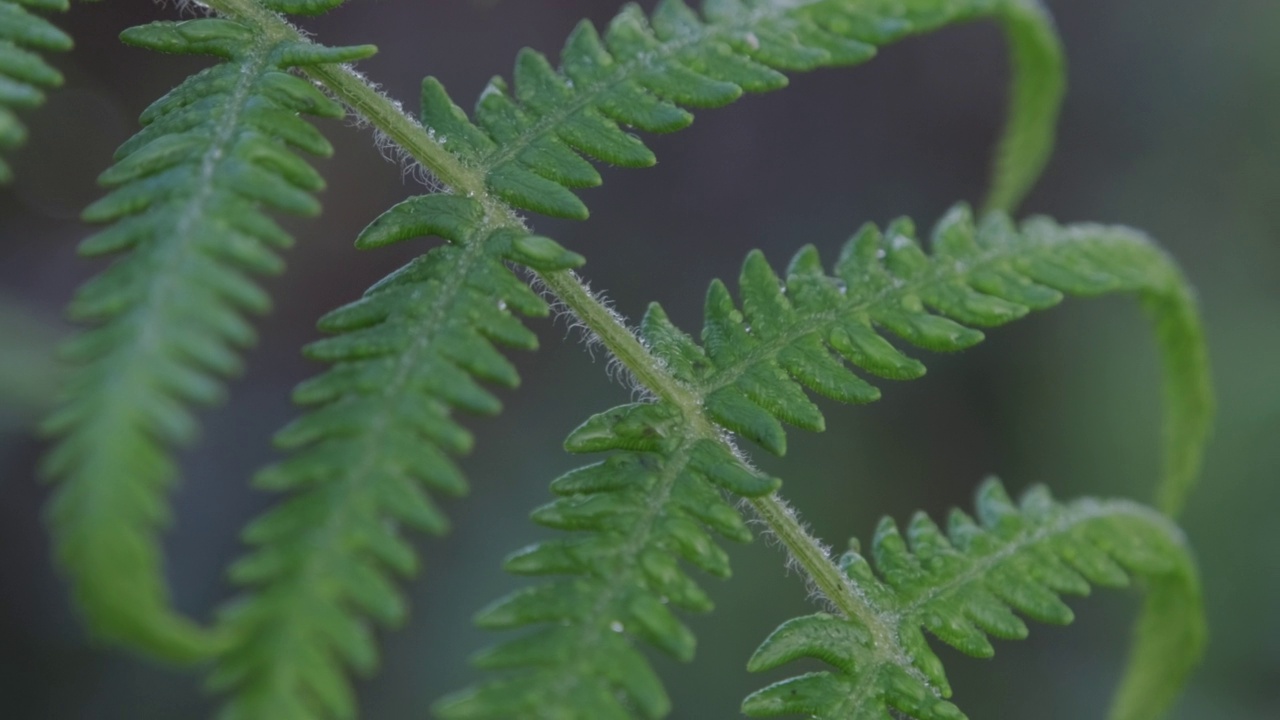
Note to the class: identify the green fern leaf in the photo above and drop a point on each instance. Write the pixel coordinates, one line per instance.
(638, 514)
(1039, 85)
(748, 377)
(23, 73)
(528, 141)
(1165, 649)
(756, 361)
(378, 435)
(188, 224)
(531, 146)
(965, 585)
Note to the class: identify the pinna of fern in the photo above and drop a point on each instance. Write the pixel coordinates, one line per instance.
(637, 518)
(965, 585)
(379, 434)
(187, 225)
(811, 330)
(527, 139)
(24, 74)
(637, 514)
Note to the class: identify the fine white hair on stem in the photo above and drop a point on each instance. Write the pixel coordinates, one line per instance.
(614, 367)
(394, 153)
(793, 564)
(390, 150)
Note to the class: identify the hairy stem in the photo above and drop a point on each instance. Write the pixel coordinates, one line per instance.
(815, 560)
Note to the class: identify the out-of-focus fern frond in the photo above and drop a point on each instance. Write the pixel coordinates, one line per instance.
(378, 435)
(1035, 99)
(23, 73)
(187, 223)
(963, 586)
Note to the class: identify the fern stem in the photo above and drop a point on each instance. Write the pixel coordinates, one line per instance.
(620, 341)
(1038, 89)
(816, 561)
(389, 118)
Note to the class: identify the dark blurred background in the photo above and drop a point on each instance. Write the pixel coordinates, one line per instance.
(1170, 126)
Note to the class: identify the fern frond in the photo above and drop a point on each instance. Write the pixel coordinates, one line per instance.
(188, 222)
(379, 434)
(541, 135)
(23, 73)
(1039, 86)
(639, 514)
(528, 141)
(749, 378)
(965, 585)
(756, 361)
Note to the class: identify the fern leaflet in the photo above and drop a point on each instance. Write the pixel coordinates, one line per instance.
(402, 358)
(964, 585)
(639, 513)
(756, 361)
(637, 509)
(643, 72)
(187, 221)
(22, 71)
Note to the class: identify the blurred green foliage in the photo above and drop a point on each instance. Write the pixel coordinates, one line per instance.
(29, 372)
(1170, 126)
